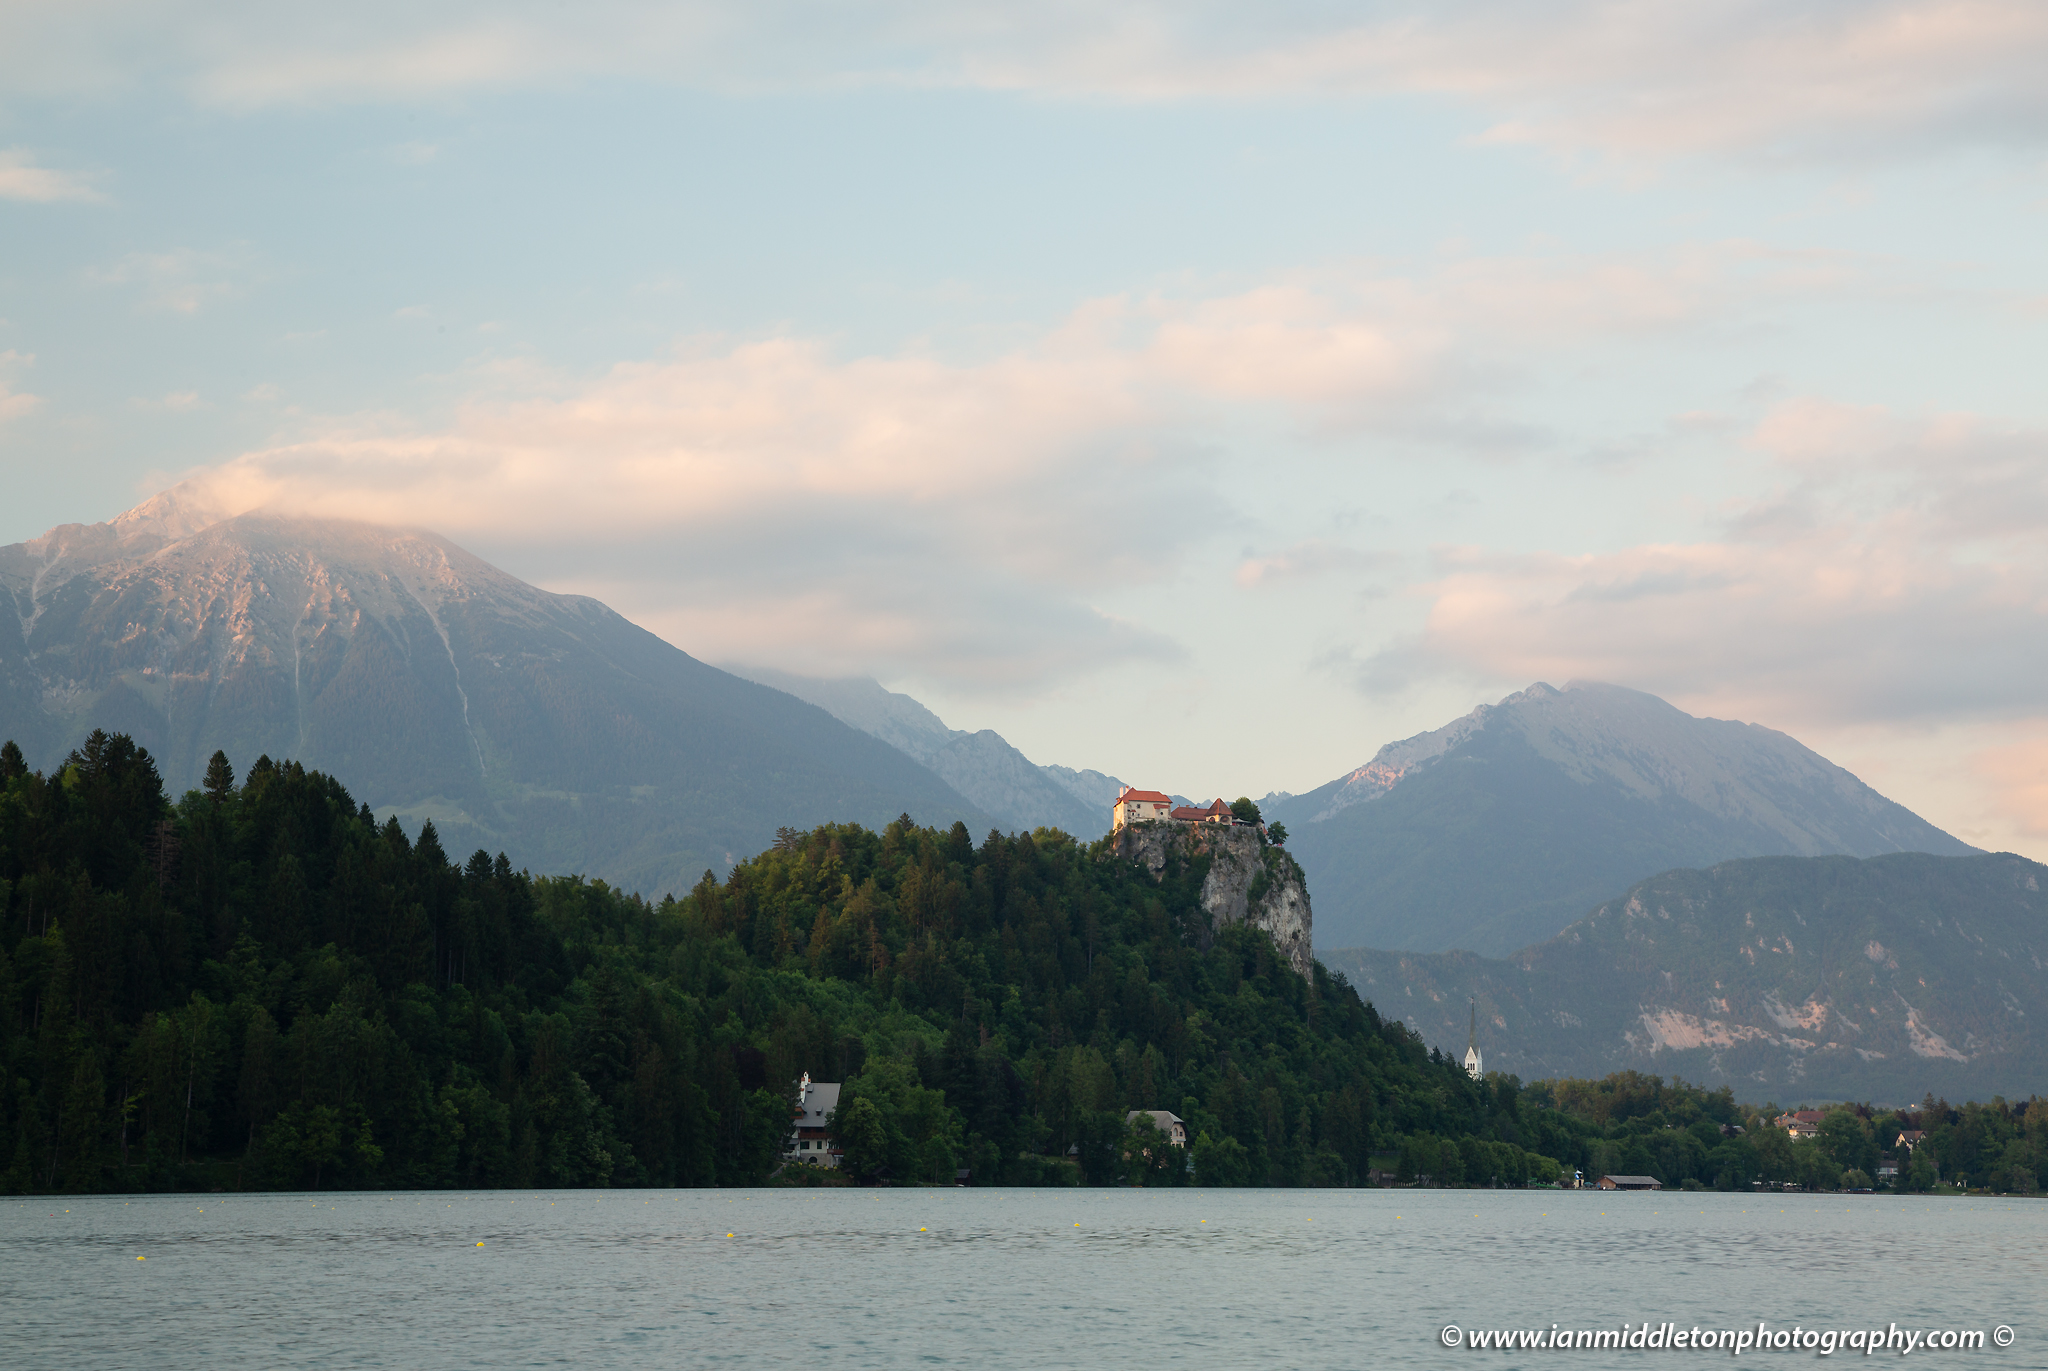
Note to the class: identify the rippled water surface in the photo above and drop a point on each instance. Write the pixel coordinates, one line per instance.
(986, 1278)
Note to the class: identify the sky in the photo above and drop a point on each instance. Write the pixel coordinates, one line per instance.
(1204, 394)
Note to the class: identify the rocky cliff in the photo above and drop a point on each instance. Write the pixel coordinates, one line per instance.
(1248, 879)
(1794, 978)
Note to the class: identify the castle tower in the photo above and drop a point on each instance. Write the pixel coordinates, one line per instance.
(1475, 1065)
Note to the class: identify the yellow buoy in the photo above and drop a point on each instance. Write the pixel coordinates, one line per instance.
(479, 1244)
(142, 1259)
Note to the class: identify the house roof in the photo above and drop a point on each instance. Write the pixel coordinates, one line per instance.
(1633, 1182)
(1144, 796)
(1189, 812)
(817, 1106)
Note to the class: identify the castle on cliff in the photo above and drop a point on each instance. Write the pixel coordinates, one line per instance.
(1133, 806)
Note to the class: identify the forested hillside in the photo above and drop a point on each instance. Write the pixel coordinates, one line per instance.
(261, 986)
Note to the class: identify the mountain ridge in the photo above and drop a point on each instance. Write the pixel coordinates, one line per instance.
(981, 764)
(1877, 978)
(1503, 826)
(436, 684)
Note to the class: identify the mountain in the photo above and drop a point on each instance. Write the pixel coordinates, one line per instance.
(1799, 978)
(981, 766)
(1092, 788)
(1500, 828)
(429, 682)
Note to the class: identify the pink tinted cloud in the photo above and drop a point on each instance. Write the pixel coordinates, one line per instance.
(1026, 486)
(2015, 773)
(1899, 575)
(22, 179)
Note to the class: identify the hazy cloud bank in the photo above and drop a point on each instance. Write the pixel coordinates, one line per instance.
(977, 521)
(1897, 575)
(1799, 78)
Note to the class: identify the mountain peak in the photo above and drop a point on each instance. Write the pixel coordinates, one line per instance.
(429, 682)
(179, 512)
(1505, 824)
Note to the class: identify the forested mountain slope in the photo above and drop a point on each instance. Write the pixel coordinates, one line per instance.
(1500, 828)
(1814, 978)
(439, 685)
(344, 1006)
(264, 987)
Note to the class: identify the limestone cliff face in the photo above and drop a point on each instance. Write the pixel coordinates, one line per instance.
(1249, 880)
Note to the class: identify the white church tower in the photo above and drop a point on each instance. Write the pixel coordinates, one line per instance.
(1475, 1065)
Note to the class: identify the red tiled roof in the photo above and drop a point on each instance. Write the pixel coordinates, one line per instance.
(1184, 812)
(1144, 796)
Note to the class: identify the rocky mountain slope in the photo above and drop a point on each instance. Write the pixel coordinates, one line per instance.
(1246, 879)
(1791, 978)
(1092, 788)
(981, 765)
(1500, 828)
(430, 683)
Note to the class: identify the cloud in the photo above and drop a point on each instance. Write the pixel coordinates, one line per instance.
(1899, 573)
(772, 500)
(1636, 78)
(15, 403)
(1311, 558)
(182, 280)
(22, 179)
(2016, 774)
(173, 402)
(977, 522)
(965, 521)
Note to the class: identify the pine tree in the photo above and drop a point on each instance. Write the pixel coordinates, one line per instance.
(220, 778)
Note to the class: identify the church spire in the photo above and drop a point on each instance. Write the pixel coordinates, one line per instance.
(1475, 1065)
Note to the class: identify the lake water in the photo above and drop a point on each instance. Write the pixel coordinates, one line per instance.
(989, 1278)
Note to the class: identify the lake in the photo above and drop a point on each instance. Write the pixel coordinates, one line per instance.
(988, 1278)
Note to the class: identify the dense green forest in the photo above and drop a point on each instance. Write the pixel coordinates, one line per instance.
(260, 986)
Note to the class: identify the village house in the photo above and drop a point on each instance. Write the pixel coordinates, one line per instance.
(1910, 1139)
(1166, 1121)
(1802, 1123)
(1630, 1183)
(810, 1141)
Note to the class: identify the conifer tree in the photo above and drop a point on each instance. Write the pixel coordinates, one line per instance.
(220, 778)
